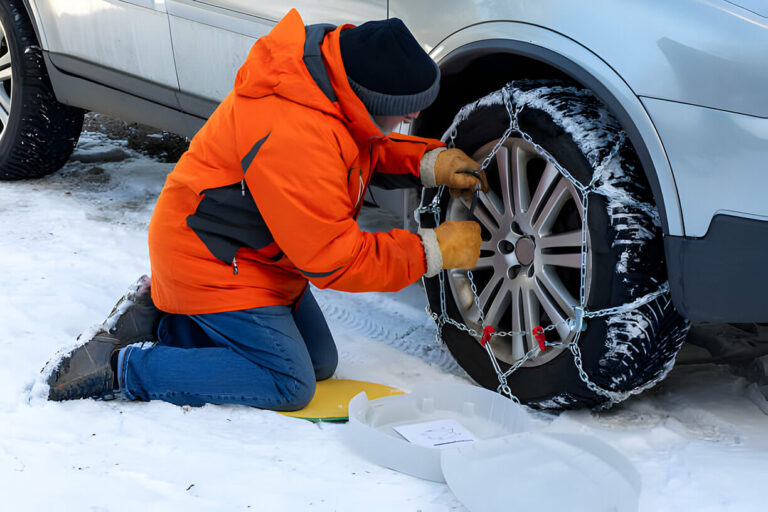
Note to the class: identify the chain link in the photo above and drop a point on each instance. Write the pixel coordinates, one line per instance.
(577, 324)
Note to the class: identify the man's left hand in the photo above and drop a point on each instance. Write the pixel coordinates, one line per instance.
(460, 173)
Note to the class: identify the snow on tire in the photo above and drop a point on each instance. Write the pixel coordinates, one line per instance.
(529, 272)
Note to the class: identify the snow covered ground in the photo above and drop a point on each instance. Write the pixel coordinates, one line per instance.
(70, 245)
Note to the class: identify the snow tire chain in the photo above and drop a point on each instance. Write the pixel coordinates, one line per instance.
(576, 324)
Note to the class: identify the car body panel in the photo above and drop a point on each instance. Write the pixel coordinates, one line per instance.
(718, 157)
(212, 38)
(759, 7)
(87, 29)
(690, 51)
(720, 277)
(312, 11)
(208, 54)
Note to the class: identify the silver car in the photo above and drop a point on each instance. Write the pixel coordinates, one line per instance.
(625, 142)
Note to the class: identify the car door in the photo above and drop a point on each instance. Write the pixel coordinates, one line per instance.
(212, 38)
(131, 36)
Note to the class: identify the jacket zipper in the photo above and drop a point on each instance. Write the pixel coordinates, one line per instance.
(234, 265)
(360, 191)
(364, 185)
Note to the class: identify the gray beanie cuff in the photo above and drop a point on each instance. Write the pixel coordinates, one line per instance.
(380, 104)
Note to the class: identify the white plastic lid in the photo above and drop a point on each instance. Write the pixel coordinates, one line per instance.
(372, 424)
(538, 471)
(507, 467)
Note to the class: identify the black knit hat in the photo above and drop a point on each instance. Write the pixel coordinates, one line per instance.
(388, 70)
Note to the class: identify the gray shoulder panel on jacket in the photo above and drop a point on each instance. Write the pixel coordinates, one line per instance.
(313, 59)
(248, 159)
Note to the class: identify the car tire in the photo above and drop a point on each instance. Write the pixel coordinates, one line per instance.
(621, 352)
(37, 133)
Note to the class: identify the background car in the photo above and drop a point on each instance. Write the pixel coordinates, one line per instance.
(625, 142)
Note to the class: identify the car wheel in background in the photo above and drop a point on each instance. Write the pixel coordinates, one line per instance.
(37, 133)
(529, 272)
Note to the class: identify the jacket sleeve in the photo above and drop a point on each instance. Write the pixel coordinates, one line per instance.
(399, 161)
(301, 190)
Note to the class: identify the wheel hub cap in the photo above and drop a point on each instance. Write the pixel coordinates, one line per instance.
(525, 250)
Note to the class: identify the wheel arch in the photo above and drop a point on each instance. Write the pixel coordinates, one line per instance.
(470, 60)
(31, 10)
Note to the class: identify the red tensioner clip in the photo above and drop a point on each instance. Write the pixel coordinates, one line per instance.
(538, 333)
(487, 333)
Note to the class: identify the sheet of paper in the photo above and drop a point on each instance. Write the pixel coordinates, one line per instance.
(437, 433)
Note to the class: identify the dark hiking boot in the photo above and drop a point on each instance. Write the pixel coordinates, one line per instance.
(87, 371)
(135, 317)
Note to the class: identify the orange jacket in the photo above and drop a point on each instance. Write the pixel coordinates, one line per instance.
(267, 195)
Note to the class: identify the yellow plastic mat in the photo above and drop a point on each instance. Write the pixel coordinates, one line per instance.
(332, 397)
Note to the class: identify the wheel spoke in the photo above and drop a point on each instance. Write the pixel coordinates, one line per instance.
(503, 161)
(531, 314)
(5, 100)
(553, 206)
(558, 291)
(561, 240)
(5, 67)
(498, 306)
(4, 109)
(518, 324)
(571, 260)
(552, 312)
(486, 295)
(490, 222)
(484, 262)
(488, 245)
(521, 195)
(547, 181)
(5, 60)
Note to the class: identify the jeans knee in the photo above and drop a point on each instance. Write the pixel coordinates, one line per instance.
(326, 370)
(326, 366)
(298, 394)
(324, 373)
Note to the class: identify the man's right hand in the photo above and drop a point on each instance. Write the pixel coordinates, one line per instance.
(459, 173)
(459, 243)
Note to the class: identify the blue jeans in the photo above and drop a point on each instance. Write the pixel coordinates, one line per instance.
(266, 357)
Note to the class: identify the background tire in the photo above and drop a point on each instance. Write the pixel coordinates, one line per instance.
(38, 133)
(620, 352)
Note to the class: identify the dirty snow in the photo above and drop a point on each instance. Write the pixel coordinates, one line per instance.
(72, 243)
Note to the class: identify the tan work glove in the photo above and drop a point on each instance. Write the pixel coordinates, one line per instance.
(452, 244)
(453, 168)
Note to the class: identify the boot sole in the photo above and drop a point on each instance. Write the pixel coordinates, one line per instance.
(87, 386)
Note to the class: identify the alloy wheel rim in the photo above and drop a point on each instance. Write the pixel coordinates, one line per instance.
(6, 81)
(529, 269)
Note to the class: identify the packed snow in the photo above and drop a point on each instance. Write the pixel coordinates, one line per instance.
(71, 245)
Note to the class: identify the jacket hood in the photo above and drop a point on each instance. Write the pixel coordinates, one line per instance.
(303, 65)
